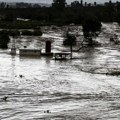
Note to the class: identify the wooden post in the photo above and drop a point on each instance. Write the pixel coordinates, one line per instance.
(13, 49)
(48, 47)
(71, 50)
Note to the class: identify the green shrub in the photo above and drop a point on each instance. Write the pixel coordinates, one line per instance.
(27, 32)
(37, 32)
(14, 33)
(4, 39)
(30, 33)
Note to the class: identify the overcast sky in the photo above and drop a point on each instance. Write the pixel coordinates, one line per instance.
(50, 1)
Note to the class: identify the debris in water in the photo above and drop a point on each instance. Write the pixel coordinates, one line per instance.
(5, 98)
(47, 111)
(21, 76)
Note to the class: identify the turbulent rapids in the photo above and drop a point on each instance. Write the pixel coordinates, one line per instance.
(85, 88)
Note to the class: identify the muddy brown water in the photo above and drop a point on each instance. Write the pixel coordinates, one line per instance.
(44, 89)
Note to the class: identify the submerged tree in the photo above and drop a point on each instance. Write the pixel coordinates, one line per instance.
(69, 40)
(91, 28)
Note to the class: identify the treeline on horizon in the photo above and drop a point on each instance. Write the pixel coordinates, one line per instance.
(59, 13)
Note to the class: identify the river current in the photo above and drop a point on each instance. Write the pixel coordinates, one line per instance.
(44, 89)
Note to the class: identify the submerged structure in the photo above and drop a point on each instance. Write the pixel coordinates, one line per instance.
(62, 56)
(29, 52)
(36, 52)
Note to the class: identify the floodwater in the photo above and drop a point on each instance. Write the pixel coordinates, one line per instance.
(44, 89)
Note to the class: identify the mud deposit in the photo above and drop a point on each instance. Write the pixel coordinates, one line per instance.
(85, 88)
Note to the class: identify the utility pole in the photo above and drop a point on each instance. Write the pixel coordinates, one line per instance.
(71, 49)
(13, 49)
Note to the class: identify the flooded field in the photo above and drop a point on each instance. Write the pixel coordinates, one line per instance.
(85, 88)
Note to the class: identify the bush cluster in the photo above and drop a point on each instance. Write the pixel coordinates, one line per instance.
(4, 39)
(32, 33)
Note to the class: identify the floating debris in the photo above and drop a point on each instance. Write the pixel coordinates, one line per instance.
(20, 76)
(47, 111)
(4, 98)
